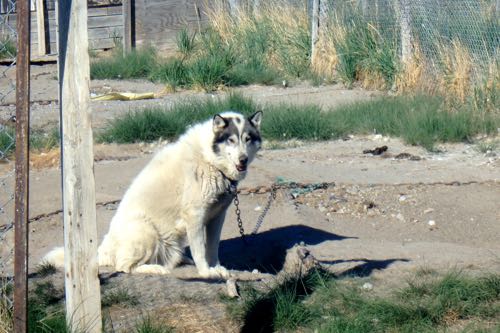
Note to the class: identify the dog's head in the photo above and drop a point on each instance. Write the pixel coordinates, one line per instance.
(236, 142)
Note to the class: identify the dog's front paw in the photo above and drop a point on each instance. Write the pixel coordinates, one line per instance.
(216, 272)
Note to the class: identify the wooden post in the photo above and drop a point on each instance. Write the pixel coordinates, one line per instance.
(40, 24)
(314, 29)
(127, 25)
(22, 168)
(233, 8)
(405, 24)
(83, 300)
(364, 7)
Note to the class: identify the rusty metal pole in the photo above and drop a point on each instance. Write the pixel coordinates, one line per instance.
(22, 167)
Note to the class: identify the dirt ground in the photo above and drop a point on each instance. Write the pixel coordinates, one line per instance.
(382, 217)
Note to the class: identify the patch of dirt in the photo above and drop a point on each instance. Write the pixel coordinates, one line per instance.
(383, 217)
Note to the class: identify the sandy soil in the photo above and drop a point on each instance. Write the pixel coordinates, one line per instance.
(383, 218)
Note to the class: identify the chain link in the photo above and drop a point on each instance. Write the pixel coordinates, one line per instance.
(272, 196)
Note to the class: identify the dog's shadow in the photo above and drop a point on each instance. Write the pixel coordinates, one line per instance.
(266, 251)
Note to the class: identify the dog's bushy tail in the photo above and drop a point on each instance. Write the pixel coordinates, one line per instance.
(55, 257)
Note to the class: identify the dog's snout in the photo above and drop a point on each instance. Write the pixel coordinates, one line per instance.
(243, 160)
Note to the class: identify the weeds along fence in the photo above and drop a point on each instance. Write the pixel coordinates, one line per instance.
(7, 141)
(437, 33)
(393, 43)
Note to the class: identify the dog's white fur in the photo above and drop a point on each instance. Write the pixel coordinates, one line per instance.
(180, 198)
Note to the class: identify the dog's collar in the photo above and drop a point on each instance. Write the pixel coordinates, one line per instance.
(233, 184)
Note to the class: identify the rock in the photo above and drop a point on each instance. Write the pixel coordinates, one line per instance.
(257, 208)
(298, 262)
(402, 198)
(232, 288)
(428, 210)
(367, 286)
(255, 271)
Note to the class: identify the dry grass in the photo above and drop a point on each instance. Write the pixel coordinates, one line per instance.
(412, 76)
(284, 27)
(325, 59)
(457, 68)
(6, 324)
(45, 159)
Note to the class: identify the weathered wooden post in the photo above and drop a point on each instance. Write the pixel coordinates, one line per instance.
(22, 168)
(40, 23)
(314, 29)
(83, 300)
(127, 25)
(405, 24)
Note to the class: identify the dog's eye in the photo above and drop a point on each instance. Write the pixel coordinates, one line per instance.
(248, 139)
(231, 140)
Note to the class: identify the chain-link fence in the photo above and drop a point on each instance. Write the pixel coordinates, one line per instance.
(426, 26)
(7, 121)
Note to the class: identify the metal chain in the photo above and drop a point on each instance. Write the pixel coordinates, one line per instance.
(260, 219)
(272, 196)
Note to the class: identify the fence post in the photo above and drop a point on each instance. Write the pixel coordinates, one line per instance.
(22, 167)
(127, 26)
(83, 300)
(405, 24)
(364, 7)
(314, 29)
(40, 24)
(233, 8)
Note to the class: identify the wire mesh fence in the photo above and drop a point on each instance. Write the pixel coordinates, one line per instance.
(429, 25)
(7, 141)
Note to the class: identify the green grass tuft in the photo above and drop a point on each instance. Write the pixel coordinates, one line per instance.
(319, 302)
(185, 42)
(172, 72)
(139, 63)
(148, 325)
(39, 140)
(418, 120)
(119, 296)
(45, 269)
(8, 49)
(151, 124)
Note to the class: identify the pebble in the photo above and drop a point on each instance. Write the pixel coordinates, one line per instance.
(402, 198)
(257, 208)
(367, 286)
(400, 217)
(255, 271)
(428, 210)
(431, 223)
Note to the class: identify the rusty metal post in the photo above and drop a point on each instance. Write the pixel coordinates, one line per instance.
(22, 166)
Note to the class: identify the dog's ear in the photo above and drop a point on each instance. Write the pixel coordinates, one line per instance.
(219, 123)
(256, 118)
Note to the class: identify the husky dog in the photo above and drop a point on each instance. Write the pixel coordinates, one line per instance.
(180, 198)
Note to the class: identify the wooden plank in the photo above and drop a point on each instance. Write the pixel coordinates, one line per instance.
(102, 33)
(83, 299)
(102, 44)
(127, 26)
(105, 21)
(157, 21)
(40, 25)
(104, 11)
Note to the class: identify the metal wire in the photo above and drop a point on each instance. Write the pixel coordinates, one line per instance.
(8, 47)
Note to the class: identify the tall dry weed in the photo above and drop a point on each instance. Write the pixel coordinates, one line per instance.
(6, 323)
(457, 66)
